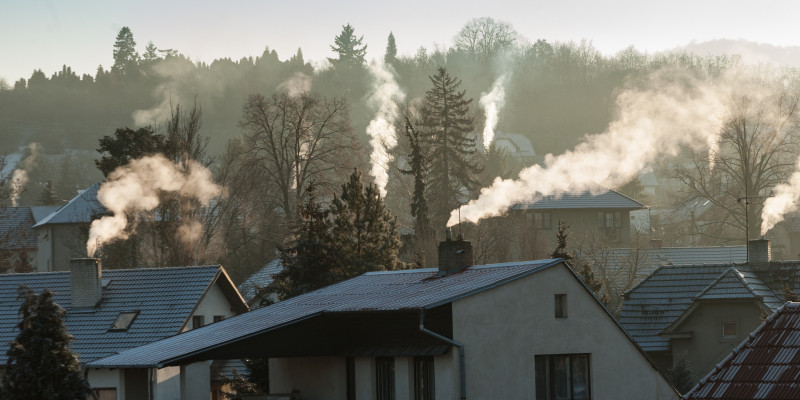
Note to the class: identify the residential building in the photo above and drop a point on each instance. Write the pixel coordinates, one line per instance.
(504, 331)
(604, 216)
(62, 235)
(697, 313)
(18, 240)
(109, 311)
(764, 366)
(255, 289)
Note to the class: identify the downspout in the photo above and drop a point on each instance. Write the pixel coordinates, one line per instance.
(463, 366)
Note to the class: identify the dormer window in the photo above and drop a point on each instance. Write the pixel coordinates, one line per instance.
(123, 321)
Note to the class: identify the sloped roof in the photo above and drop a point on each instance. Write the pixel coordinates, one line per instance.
(609, 199)
(41, 212)
(16, 231)
(405, 290)
(658, 301)
(522, 146)
(261, 279)
(765, 366)
(81, 208)
(164, 298)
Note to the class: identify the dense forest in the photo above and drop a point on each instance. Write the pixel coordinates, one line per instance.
(555, 94)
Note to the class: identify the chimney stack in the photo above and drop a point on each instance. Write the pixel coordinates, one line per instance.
(85, 286)
(759, 254)
(454, 255)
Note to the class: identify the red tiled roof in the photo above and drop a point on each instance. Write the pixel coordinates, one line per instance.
(765, 366)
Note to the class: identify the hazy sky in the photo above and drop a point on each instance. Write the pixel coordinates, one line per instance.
(45, 34)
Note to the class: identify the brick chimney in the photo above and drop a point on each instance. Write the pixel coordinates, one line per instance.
(85, 286)
(454, 255)
(759, 254)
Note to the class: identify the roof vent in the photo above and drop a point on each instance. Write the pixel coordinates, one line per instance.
(454, 255)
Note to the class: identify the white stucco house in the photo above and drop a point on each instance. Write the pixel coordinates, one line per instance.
(522, 330)
(110, 311)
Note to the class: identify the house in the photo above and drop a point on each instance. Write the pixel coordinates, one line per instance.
(765, 366)
(623, 268)
(18, 241)
(61, 236)
(518, 148)
(604, 216)
(697, 313)
(253, 289)
(502, 331)
(109, 311)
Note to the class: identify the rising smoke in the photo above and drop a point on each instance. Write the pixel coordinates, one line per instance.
(492, 102)
(785, 200)
(19, 178)
(654, 121)
(136, 186)
(298, 84)
(383, 137)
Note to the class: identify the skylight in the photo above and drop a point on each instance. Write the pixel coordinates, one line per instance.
(123, 321)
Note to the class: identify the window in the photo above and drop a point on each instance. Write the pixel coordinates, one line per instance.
(609, 219)
(561, 305)
(198, 321)
(123, 321)
(729, 329)
(384, 375)
(218, 318)
(424, 374)
(563, 377)
(543, 220)
(105, 393)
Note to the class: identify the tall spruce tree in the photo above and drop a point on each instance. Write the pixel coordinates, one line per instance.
(449, 135)
(350, 49)
(391, 50)
(364, 231)
(126, 59)
(424, 234)
(40, 363)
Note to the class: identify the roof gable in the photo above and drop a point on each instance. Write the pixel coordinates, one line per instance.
(164, 298)
(765, 366)
(82, 208)
(608, 199)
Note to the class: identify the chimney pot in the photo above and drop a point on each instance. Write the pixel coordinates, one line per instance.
(85, 282)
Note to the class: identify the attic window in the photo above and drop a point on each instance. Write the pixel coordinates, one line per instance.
(561, 305)
(729, 329)
(123, 321)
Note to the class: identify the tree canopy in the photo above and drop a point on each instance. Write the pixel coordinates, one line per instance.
(349, 48)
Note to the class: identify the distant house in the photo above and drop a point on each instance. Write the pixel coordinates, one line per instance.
(109, 311)
(696, 313)
(604, 215)
(254, 289)
(18, 241)
(765, 366)
(503, 331)
(518, 148)
(61, 236)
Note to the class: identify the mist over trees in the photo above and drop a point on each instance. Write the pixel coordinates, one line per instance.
(273, 124)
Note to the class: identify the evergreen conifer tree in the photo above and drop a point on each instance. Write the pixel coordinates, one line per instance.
(424, 234)
(449, 136)
(126, 59)
(40, 363)
(350, 49)
(391, 50)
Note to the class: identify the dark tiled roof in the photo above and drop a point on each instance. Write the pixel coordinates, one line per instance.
(164, 297)
(261, 279)
(668, 292)
(375, 291)
(765, 366)
(81, 208)
(606, 199)
(16, 228)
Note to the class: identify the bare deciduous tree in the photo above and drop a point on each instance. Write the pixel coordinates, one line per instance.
(485, 37)
(295, 140)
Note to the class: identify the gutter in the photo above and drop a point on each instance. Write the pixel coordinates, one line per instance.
(463, 366)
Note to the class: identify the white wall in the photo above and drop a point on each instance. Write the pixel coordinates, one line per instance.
(108, 378)
(318, 378)
(196, 381)
(504, 328)
(213, 303)
(167, 384)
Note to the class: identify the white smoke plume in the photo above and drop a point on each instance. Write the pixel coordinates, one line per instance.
(492, 102)
(135, 187)
(19, 178)
(654, 122)
(385, 95)
(298, 84)
(785, 200)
